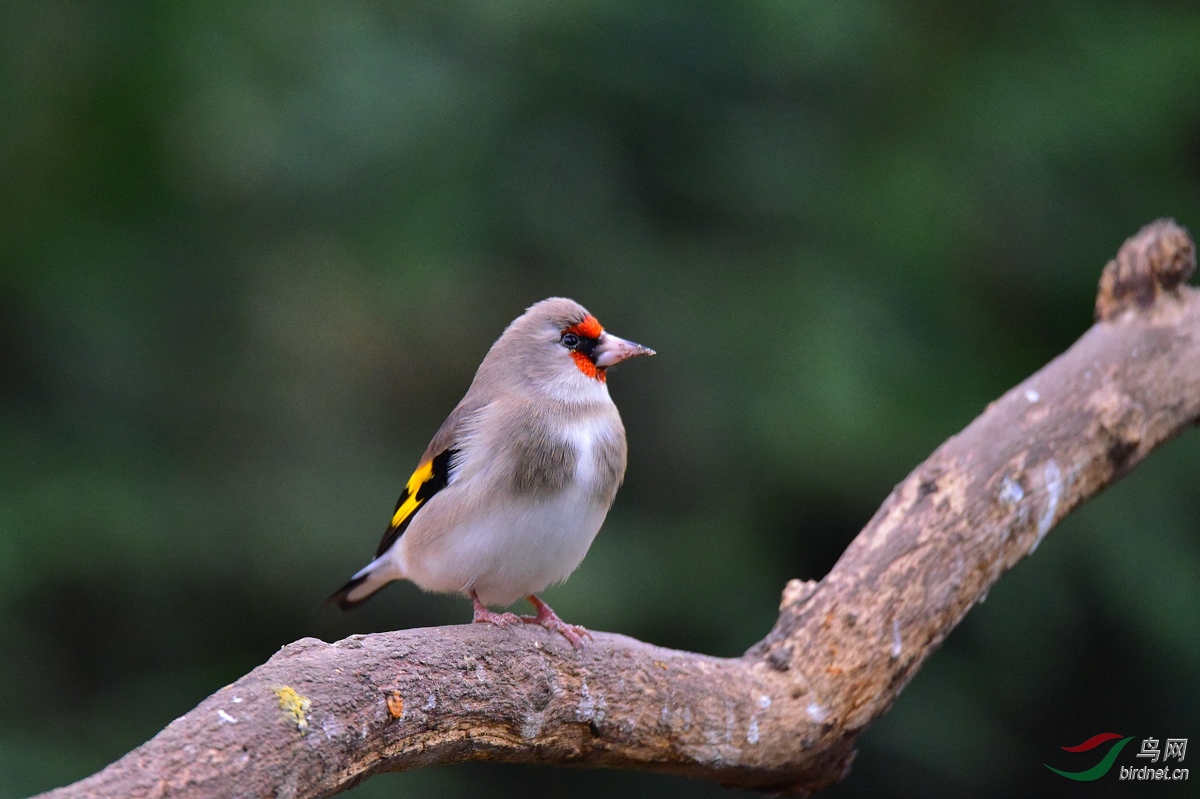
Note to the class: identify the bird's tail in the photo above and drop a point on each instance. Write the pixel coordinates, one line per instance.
(365, 583)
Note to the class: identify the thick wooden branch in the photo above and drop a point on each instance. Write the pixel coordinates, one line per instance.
(318, 718)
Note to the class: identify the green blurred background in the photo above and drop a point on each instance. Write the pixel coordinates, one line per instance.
(252, 253)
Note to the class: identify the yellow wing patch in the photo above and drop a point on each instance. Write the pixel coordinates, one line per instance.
(430, 477)
(422, 475)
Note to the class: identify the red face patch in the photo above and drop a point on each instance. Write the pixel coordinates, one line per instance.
(585, 365)
(589, 328)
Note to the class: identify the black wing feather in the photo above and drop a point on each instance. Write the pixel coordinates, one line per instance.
(438, 478)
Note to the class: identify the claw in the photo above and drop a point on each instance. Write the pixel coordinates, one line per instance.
(547, 618)
(485, 616)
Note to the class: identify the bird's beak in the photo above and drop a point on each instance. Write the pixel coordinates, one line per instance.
(612, 350)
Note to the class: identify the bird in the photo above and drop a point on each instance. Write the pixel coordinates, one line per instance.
(517, 481)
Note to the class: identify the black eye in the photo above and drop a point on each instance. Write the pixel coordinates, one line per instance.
(570, 340)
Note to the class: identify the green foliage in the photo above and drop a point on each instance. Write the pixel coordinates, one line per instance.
(252, 255)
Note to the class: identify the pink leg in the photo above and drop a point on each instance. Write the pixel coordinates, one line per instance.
(485, 616)
(550, 620)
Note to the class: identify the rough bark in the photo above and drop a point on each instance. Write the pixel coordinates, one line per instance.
(318, 718)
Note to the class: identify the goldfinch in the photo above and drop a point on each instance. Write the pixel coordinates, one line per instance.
(517, 481)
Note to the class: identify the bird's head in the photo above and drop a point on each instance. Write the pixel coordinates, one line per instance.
(563, 348)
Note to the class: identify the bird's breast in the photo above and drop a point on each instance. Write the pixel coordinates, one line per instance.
(599, 447)
(540, 453)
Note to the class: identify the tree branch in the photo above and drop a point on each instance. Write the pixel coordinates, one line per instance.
(318, 718)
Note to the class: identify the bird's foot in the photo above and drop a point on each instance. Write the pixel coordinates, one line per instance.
(485, 616)
(547, 618)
